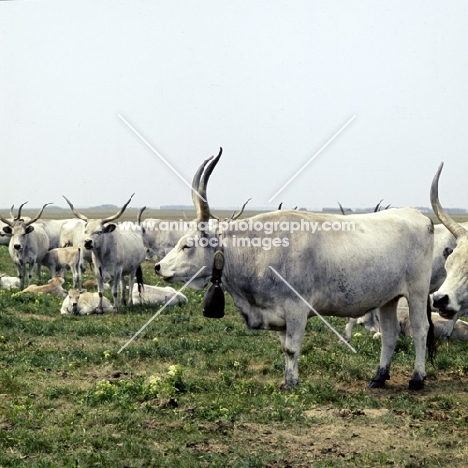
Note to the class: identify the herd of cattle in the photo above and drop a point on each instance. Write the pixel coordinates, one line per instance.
(391, 255)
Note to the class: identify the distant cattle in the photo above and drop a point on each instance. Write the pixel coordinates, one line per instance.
(116, 253)
(28, 244)
(84, 303)
(149, 294)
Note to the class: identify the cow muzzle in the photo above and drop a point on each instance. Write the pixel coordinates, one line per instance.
(442, 302)
(88, 244)
(17, 247)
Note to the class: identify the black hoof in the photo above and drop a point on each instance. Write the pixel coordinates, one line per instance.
(416, 384)
(374, 383)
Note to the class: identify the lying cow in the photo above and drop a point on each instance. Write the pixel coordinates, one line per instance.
(443, 328)
(8, 282)
(157, 295)
(81, 302)
(58, 260)
(92, 283)
(54, 287)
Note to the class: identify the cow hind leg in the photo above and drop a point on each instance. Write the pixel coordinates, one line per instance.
(388, 322)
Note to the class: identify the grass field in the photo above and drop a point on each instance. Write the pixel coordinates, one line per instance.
(192, 392)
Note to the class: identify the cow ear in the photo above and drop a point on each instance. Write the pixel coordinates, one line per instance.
(109, 228)
(29, 229)
(447, 251)
(7, 229)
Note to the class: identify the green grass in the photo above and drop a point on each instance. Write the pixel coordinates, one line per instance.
(192, 392)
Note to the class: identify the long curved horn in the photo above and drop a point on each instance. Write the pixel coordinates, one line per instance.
(342, 209)
(33, 220)
(455, 228)
(12, 216)
(119, 213)
(377, 207)
(75, 211)
(6, 221)
(19, 211)
(196, 182)
(236, 215)
(139, 215)
(200, 181)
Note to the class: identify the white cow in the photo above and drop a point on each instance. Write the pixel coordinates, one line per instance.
(452, 296)
(8, 282)
(84, 303)
(72, 235)
(160, 236)
(149, 294)
(444, 243)
(115, 252)
(278, 280)
(453, 329)
(58, 260)
(28, 244)
(52, 227)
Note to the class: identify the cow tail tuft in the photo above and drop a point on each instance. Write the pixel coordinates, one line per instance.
(431, 342)
(139, 278)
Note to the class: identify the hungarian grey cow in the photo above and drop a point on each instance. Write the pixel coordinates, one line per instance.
(451, 298)
(81, 302)
(329, 272)
(116, 253)
(28, 244)
(148, 294)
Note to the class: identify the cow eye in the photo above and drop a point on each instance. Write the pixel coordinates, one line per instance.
(186, 246)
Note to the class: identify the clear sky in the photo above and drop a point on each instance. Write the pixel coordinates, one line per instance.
(270, 81)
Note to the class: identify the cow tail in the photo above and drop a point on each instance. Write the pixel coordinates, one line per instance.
(139, 278)
(431, 343)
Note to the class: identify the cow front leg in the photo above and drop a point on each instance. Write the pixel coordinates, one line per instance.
(30, 272)
(291, 342)
(21, 269)
(123, 291)
(388, 325)
(115, 288)
(418, 312)
(100, 284)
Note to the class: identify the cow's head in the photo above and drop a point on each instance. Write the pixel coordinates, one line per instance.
(452, 296)
(18, 228)
(73, 297)
(193, 256)
(95, 229)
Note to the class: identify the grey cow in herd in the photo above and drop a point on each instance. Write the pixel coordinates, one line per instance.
(451, 298)
(332, 273)
(28, 244)
(116, 253)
